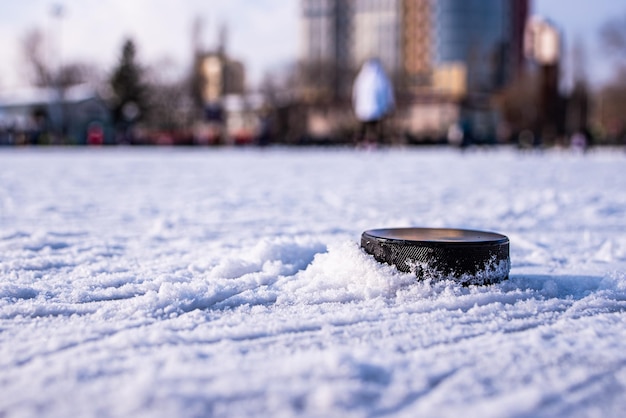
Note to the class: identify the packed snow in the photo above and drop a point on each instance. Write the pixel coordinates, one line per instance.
(225, 282)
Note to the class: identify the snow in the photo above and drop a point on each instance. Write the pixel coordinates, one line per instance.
(167, 282)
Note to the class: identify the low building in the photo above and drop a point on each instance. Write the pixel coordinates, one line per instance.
(76, 115)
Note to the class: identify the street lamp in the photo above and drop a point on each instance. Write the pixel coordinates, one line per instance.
(57, 11)
(542, 44)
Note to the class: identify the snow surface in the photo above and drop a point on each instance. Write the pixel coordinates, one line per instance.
(184, 283)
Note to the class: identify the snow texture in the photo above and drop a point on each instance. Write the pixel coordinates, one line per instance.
(180, 283)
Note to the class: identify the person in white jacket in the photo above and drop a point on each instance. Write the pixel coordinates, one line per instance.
(372, 98)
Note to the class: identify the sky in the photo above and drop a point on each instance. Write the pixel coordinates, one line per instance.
(264, 34)
(581, 21)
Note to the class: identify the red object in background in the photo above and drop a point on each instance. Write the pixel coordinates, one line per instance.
(95, 134)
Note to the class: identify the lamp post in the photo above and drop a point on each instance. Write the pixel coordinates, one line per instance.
(57, 11)
(543, 46)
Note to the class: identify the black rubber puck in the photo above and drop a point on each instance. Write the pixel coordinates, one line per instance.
(468, 257)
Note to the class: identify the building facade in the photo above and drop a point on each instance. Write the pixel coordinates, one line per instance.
(376, 32)
(446, 58)
(220, 76)
(417, 41)
(485, 36)
(44, 116)
(424, 42)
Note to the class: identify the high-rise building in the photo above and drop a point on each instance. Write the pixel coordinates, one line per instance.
(220, 76)
(519, 16)
(451, 46)
(326, 39)
(483, 36)
(417, 44)
(376, 33)
(318, 34)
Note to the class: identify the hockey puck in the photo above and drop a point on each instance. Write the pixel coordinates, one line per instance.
(466, 256)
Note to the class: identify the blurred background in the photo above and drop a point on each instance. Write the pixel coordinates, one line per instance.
(532, 73)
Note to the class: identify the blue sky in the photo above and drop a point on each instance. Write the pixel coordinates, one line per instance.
(580, 21)
(263, 33)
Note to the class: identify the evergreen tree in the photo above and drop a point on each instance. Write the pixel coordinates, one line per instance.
(129, 90)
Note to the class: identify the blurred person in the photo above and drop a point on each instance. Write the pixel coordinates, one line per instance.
(455, 135)
(372, 99)
(578, 142)
(265, 128)
(526, 139)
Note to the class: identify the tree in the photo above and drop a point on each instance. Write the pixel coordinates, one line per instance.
(167, 97)
(578, 102)
(129, 89)
(611, 99)
(77, 73)
(519, 103)
(41, 74)
(326, 81)
(33, 50)
(610, 109)
(613, 35)
(196, 79)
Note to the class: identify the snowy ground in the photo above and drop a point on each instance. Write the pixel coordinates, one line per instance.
(182, 283)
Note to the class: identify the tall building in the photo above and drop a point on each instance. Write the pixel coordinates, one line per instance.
(344, 33)
(318, 34)
(220, 76)
(326, 38)
(467, 45)
(376, 33)
(519, 16)
(483, 36)
(417, 45)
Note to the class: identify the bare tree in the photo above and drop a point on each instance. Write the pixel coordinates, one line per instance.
(613, 35)
(41, 74)
(76, 73)
(167, 98)
(318, 78)
(34, 54)
(579, 62)
(519, 103)
(195, 80)
(611, 99)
